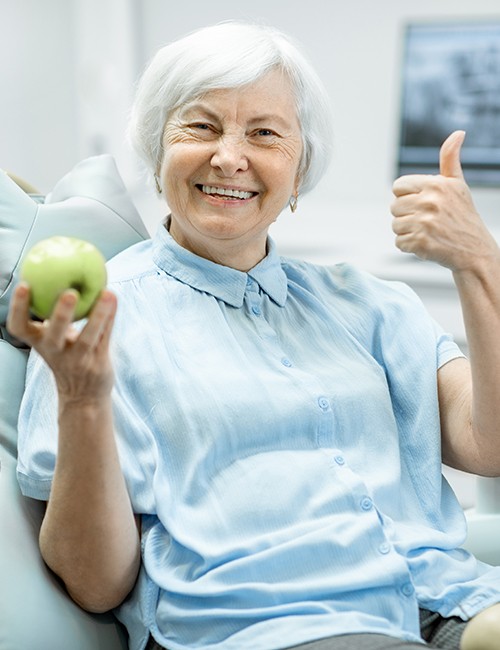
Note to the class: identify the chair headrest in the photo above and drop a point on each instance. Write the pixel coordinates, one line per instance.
(90, 202)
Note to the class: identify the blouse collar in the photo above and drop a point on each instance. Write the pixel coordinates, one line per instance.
(222, 282)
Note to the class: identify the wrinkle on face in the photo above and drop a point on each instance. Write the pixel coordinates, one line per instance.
(235, 128)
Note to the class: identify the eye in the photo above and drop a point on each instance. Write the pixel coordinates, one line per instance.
(264, 136)
(203, 130)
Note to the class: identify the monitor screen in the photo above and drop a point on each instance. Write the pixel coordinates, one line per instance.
(451, 80)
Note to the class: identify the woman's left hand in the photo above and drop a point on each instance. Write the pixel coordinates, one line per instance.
(435, 217)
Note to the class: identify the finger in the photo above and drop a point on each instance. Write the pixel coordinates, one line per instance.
(406, 243)
(56, 327)
(403, 206)
(19, 323)
(409, 184)
(106, 335)
(403, 225)
(100, 323)
(449, 156)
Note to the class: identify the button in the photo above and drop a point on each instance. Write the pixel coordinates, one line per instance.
(384, 548)
(340, 460)
(323, 403)
(286, 362)
(366, 503)
(256, 310)
(407, 589)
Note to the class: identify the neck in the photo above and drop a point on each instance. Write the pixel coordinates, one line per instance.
(238, 255)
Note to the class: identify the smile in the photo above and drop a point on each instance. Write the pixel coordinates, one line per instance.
(225, 192)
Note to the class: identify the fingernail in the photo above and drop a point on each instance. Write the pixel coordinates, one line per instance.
(23, 288)
(70, 297)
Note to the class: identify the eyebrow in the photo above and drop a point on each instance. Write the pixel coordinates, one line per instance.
(258, 119)
(198, 106)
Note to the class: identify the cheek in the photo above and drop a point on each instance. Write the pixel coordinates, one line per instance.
(182, 162)
(281, 168)
(174, 189)
(281, 179)
(176, 172)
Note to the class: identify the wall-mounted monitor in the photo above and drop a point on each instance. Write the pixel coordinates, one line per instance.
(451, 80)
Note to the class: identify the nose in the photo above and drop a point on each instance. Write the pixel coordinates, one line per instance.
(229, 156)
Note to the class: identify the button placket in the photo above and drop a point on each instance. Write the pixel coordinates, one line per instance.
(380, 542)
(253, 299)
(325, 422)
(254, 307)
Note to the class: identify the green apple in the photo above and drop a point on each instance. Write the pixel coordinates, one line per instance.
(59, 263)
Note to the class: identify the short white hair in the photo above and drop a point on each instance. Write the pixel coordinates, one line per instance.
(228, 55)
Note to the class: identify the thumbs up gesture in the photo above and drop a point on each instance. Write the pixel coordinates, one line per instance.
(435, 217)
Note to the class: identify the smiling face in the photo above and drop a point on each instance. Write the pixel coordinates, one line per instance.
(229, 168)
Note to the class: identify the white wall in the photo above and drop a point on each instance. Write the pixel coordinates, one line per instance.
(67, 69)
(38, 112)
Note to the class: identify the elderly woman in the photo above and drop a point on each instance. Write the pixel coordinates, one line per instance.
(241, 451)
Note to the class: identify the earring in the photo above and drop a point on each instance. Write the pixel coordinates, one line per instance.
(157, 183)
(293, 203)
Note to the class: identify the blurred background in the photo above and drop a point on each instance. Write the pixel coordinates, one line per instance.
(68, 70)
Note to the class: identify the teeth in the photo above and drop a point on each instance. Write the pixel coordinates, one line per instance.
(238, 194)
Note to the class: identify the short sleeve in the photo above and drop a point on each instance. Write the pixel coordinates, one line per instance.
(37, 437)
(447, 349)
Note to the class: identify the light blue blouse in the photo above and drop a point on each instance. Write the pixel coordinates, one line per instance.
(279, 431)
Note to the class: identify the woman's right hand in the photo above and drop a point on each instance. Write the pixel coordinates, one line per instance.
(79, 359)
(89, 536)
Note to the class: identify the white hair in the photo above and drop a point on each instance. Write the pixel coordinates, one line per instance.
(228, 55)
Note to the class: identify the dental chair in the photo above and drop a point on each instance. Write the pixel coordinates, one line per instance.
(483, 522)
(91, 203)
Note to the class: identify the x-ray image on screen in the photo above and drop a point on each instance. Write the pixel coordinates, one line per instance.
(451, 80)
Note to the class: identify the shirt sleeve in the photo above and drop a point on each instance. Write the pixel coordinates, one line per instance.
(447, 349)
(38, 437)
(37, 430)
(389, 318)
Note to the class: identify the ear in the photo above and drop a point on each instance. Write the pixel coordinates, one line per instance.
(297, 183)
(157, 184)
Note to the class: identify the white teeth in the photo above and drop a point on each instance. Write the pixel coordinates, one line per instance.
(238, 194)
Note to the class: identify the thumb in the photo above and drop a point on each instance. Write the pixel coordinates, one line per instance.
(449, 155)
